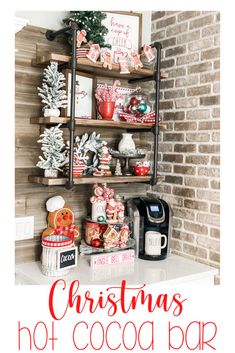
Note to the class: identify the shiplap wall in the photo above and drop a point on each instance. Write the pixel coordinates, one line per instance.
(30, 198)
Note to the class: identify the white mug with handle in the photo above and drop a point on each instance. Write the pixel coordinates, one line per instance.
(153, 243)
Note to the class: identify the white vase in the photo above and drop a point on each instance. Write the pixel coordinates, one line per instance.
(55, 112)
(126, 144)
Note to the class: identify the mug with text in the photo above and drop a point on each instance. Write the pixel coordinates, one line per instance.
(153, 242)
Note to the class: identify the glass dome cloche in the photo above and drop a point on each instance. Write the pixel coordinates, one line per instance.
(137, 104)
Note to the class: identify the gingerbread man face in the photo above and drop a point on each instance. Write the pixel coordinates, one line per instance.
(62, 217)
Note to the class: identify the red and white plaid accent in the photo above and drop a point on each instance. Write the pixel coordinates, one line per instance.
(148, 118)
(56, 241)
(61, 229)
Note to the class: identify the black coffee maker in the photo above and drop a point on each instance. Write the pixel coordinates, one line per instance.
(151, 226)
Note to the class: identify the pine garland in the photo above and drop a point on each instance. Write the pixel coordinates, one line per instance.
(91, 22)
(52, 94)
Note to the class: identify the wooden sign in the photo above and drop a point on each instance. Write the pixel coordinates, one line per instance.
(67, 258)
(112, 258)
(124, 34)
(84, 95)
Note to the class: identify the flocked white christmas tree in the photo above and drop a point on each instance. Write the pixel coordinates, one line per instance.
(118, 169)
(53, 149)
(52, 94)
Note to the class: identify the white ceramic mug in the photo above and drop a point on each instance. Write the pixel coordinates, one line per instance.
(153, 243)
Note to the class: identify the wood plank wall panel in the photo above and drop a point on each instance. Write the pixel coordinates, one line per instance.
(30, 198)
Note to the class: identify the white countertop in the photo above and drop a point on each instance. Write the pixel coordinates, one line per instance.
(173, 270)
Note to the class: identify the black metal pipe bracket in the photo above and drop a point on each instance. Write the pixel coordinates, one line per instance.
(157, 79)
(51, 35)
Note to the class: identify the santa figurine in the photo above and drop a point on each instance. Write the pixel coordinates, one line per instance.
(111, 211)
(124, 235)
(104, 159)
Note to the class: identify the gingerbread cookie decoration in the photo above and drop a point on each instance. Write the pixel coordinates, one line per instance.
(107, 60)
(136, 60)
(60, 219)
(148, 52)
(81, 37)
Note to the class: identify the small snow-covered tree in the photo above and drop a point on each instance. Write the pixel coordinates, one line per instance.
(118, 168)
(52, 94)
(53, 149)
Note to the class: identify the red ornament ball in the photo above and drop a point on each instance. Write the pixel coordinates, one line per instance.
(128, 109)
(96, 243)
(134, 101)
(134, 108)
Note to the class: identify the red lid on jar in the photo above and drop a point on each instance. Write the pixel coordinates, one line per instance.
(91, 223)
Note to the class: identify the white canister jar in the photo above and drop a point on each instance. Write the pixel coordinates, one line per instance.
(51, 245)
(98, 210)
(126, 144)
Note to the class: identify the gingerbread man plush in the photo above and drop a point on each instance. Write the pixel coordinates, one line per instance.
(60, 219)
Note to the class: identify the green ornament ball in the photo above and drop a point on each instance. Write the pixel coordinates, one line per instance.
(142, 107)
(148, 109)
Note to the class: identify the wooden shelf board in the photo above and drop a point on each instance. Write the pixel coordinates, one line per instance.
(88, 66)
(90, 180)
(94, 123)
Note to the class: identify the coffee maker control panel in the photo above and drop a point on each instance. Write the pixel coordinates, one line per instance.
(155, 212)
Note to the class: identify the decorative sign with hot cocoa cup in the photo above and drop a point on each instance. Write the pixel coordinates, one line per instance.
(124, 34)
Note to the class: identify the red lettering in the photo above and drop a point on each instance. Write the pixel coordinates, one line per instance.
(51, 299)
(20, 329)
(170, 330)
(115, 298)
(194, 331)
(46, 336)
(36, 338)
(97, 335)
(144, 336)
(179, 304)
(74, 331)
(115, 333)
(194, 335)
(129, 335)
(203, 334)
